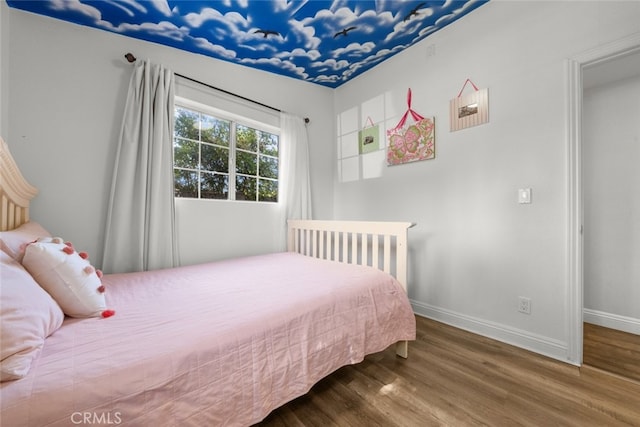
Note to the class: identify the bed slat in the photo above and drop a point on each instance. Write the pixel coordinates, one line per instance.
(387, 253)
(375, 242)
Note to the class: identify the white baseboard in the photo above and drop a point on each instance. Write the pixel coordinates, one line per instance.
(613, 321)
(519, 338)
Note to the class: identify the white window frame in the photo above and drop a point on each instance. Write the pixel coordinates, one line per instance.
(235, 120)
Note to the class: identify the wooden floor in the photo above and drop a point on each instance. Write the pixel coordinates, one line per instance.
(455, 378)
(612, 351)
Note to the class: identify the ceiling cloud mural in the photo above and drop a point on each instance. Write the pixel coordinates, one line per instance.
(324, 42)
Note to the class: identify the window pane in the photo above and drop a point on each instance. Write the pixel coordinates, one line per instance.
(215, 131)
(214, 186)
(246, 138)
(185, 153)
(246, 163)
(215, 159)
(268, 143)
(268, 167)
(245, 188)
(207, 161)
(185, 183)
(268, 190)
(186, 123)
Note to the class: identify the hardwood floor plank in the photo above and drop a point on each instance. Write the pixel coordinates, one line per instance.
(612, 350)
(456, 378)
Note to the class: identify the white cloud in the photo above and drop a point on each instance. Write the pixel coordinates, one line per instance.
(132, 4)
(355, 49)
(281, 5)
(303, 33)
(278, 64)
(445, 19)
(218, 50)
(426, 31)
(331, 64)
(162, 29)
(76, 6)
(312, 55)
(264, 47)
(207, 14)
(236, 19)
(162, 6)
(326, 79)
(231, 20)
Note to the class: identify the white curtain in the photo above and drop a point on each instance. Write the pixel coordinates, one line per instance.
(296, 184)
(140, 227)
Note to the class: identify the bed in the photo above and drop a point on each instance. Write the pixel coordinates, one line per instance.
(222, 343)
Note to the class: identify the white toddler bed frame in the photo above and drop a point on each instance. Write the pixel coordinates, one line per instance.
(382, 245)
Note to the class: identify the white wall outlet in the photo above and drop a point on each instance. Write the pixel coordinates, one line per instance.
(524, 195)
(524, 305)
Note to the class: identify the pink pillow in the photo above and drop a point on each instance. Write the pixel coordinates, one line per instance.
(67, 276)
(27, 316)
(14, 241)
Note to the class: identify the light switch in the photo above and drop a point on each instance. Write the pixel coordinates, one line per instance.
(524, 195)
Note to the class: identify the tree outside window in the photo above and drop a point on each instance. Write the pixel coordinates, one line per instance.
(216, 158)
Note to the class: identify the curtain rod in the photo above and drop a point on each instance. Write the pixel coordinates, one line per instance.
(131, 59)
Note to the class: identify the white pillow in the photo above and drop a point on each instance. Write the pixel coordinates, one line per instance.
(27, 316)
(68, 277)
(14, 241)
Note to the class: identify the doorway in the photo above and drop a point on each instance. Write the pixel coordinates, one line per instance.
(610, 152)
(590, 69)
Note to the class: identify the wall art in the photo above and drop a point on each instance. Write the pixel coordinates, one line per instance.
(369, 137)
(469, 110)
(410, 142)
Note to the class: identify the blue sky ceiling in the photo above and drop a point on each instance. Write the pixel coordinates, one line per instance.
(324, 42)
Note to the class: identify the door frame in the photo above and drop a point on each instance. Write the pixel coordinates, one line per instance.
(575, 207)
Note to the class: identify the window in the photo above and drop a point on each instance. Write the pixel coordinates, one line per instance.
(221, 158)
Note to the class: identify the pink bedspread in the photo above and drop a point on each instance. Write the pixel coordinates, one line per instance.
(209, 345)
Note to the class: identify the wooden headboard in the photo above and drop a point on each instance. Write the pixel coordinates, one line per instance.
(15, 192)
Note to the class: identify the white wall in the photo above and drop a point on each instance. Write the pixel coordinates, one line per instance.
(475, 250)
(611, 178)
(68, 86)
